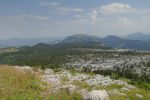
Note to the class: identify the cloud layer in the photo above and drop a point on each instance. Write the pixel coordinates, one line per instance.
(58, 19)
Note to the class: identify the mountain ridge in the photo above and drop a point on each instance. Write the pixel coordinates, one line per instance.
(81, 38)
(139, 36)
(84, 39)
(110, 40)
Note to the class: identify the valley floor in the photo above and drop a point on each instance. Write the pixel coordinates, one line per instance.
(26, 83)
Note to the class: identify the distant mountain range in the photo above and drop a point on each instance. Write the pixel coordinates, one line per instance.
(111, 41)
(117, 42)
(16, 42)
(139, 36)
(139, 41)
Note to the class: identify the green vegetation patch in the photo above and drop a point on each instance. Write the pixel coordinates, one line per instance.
(82, 85)
(63, 95)
(110, 87)
(19, 85)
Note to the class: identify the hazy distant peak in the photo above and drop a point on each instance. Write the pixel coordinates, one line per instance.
(139, 36)
(136, 34)
(112, 36)
(81, 38)
(82, 35)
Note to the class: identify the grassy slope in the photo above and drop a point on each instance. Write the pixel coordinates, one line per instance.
(19, 85)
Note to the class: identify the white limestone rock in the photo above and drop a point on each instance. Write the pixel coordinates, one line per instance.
(54, 80)
(83, 92)
(116, 92)
(24, 68)
(96, 95)
(139, 96)
(120, 82)
(125, 89)
(70, 89)
(80, 77)
(48, 72)
(128, 87)
(99, 80)
(131, 87)
(66, 73)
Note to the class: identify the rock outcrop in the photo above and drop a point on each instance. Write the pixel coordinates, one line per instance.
(96, 95)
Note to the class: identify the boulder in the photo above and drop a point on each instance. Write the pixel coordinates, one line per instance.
(125, 89)
(48, 72)
(83, 91)
(27, 68)
(52, 79)
(120, 82)
(139, 96)
(24, 68)
(70, 89)
(131, 87)
(116, 92)
(96, 95)
(128, 87)
(80, 77)
(66, 73)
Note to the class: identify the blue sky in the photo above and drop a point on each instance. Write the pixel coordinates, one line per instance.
(59, 18)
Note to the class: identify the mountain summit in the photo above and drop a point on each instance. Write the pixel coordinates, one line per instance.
(81, 38)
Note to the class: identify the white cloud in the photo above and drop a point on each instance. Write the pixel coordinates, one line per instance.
(93, 15)
(78, 9)
(78, 16)
(116, 8)
(59, 8)
(66, 10)
(47, 3)
(34, 17)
